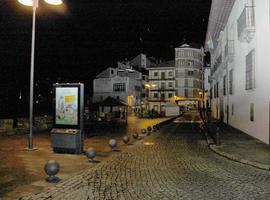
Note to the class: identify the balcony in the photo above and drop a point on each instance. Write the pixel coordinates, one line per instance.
(246, 24)
(216, 65)
(229, 50)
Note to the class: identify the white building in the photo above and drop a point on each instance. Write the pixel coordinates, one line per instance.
(189, 74)
(207, 86)
(161, 85)
(122, 83)
(238, 38)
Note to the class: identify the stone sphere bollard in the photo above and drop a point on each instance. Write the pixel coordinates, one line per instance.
(144, 131)
(154, 128)
(52, 168)
(135, 135)
(158, 126)
(126, 139)
(91, 154)
(149, 128)
(113, 144)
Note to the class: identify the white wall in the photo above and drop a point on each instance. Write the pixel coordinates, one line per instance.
(260, 95)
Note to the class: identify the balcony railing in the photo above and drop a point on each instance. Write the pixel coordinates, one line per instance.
(246, 24)
(229, 50)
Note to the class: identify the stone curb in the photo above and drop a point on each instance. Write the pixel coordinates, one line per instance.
(233, 157)
(215, 149)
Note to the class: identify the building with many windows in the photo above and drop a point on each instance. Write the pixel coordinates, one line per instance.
(161, 86)
(238, 38)
(189, 74)
(123, 83)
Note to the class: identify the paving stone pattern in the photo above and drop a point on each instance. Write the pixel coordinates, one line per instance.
(176, 164)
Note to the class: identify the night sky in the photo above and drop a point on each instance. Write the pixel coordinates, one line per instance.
(78, 40)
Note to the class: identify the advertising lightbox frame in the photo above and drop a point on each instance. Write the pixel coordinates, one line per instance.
(79, 105)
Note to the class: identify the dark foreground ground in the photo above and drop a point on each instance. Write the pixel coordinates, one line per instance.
(22, 173)
(174, 163)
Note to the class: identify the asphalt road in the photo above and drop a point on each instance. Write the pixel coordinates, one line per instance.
(174, 163)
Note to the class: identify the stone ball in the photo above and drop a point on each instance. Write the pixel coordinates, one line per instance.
(52, 167)
(135, 135)
(149, 128)
(113, 143)
(143, 131)
(126, 139)
(91, 153)
(154, 128)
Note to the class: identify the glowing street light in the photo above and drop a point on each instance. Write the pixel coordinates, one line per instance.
(34, 4)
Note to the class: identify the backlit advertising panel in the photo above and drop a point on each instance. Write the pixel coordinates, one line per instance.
(66, 106)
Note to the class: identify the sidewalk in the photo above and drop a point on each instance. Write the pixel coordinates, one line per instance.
(22, 173)
(240, 147)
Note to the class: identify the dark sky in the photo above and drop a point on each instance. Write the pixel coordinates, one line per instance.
(83, 37)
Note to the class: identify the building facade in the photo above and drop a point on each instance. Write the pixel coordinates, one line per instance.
(161, 87)
(189, 74)
(238, 38)
(123, 83)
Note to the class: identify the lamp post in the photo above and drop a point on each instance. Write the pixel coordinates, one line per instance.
(34, 4)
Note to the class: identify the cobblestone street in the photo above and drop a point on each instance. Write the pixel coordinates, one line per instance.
(174, 163)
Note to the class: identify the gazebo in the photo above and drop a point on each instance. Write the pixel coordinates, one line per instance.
(113, 110)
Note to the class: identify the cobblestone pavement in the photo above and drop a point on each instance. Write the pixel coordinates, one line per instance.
(172, 164)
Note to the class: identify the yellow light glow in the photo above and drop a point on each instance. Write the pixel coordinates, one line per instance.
(147, 85)
(149, 143)
(54, 2)
(154, 85)
(26, 2)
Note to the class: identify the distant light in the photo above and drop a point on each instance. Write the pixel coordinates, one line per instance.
(54, 2)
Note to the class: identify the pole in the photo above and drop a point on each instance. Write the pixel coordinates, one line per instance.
(30, 138)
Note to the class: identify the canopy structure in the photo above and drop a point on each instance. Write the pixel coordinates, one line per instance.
(112, 110)
(110, 101)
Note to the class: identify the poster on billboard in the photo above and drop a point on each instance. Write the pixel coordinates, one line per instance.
(66, 106)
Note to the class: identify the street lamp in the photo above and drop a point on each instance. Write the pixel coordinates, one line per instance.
(34, 4)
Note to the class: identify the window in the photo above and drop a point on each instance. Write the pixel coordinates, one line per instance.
(211, 93)
(170, 95)
(250, 68)
(181, 53)
(170, 84)
(182, 62)
(190, 73)
(137, 88)
(190, 93)
(252, 112)
(155, 95)
(119, 87)
(190, 53)
(162, 95)
(170, 73)
(224, 85)
(163, 85)
(163, 75)
(217, 90)
(190, 63)
(176, 83)
(231, 82)
(232, 109)
(155, 73)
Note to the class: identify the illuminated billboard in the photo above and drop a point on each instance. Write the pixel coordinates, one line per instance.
(66, 106)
